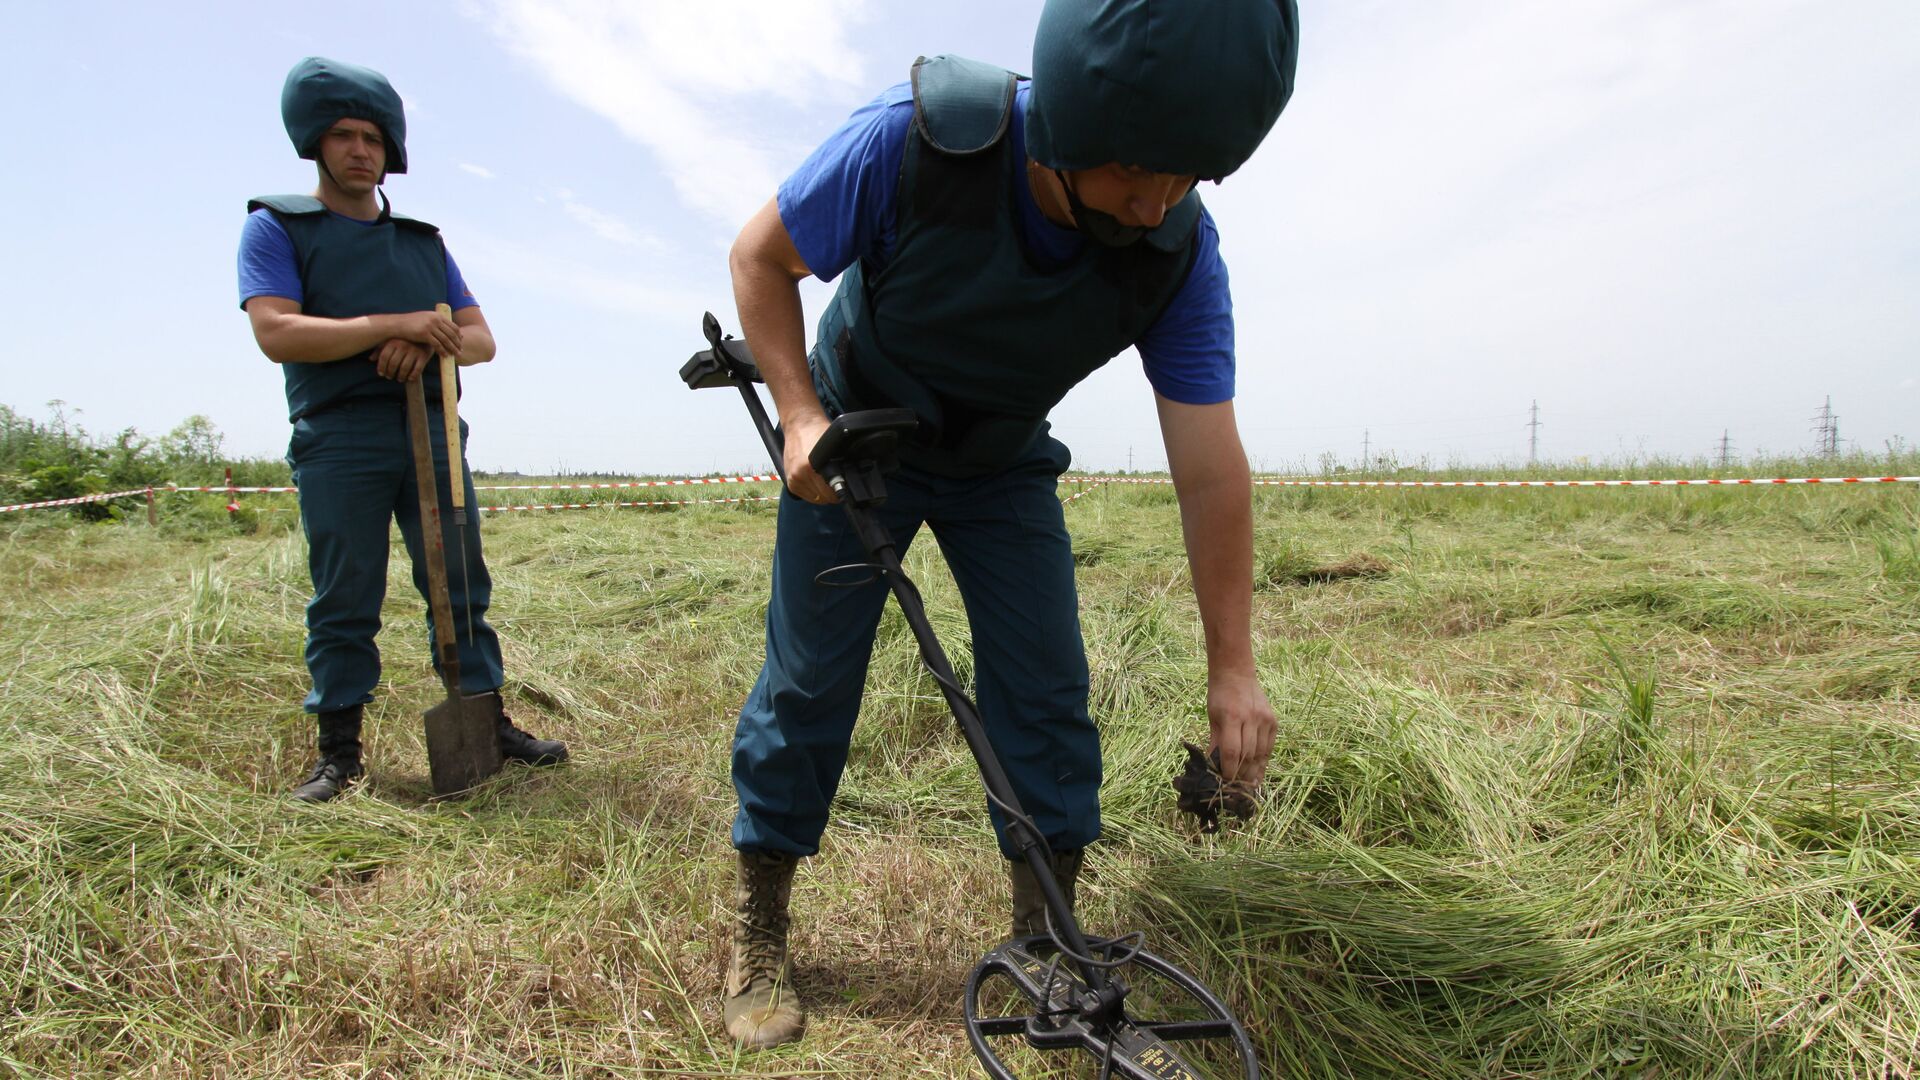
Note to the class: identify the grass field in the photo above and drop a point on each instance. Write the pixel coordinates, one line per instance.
(1618, 782)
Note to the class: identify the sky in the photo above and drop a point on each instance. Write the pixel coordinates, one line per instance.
(1664, 221)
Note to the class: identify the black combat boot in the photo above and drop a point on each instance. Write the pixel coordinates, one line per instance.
(339, 763)
(517, 745)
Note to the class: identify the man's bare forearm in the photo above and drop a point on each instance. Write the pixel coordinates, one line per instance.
(476, 337)
(772, 321)
(766, 287)
(766, 273)
(298, 338)
(1216, 520)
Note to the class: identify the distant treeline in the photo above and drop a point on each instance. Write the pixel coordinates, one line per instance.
(58, 458)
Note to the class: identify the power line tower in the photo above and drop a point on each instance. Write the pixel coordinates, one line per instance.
(1828, 429)
(1366, 449)
(1533, 439)
(1725, 456)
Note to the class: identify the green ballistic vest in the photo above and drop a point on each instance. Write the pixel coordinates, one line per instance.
(395, 265)
(963, 326)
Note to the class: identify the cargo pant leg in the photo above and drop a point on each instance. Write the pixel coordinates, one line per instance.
(347, 487)
(1005, 539)
(790, 745)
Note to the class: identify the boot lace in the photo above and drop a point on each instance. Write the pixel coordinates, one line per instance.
(764, 919)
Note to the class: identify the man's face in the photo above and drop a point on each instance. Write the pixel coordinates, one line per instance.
(1135, 197)
(355, 154)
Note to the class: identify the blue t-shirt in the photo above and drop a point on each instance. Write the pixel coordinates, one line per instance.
(839, 206)
(269, 267)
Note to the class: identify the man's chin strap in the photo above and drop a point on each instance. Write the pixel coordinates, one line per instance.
(1100, 226)
(386, 208)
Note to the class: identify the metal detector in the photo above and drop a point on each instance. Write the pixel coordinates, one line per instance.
(1134, 1014)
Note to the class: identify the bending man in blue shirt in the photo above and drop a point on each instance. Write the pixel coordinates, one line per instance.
(340, 292)
(997, 240)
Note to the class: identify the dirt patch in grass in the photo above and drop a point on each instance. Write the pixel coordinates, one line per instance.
(1361, 565)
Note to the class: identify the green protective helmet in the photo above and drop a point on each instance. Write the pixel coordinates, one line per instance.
(1171, 86)
(321, 92)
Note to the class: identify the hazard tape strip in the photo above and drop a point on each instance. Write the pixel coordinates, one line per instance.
(1082, 494)
(1729, 482)
(616, 486)
(610, 505)
(75, 501)
(1095, 481)
(689, 481)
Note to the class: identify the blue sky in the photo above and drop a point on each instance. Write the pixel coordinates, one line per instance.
(1660, 219)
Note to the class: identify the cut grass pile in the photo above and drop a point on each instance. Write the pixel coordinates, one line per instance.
(1620, 782)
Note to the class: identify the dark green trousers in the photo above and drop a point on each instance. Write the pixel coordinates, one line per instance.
(353, 464)
(1005, 539)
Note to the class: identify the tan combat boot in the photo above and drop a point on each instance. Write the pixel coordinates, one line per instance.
(1029, 903)
(762, 1008)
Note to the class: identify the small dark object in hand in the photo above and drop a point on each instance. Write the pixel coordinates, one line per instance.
(1205, 793)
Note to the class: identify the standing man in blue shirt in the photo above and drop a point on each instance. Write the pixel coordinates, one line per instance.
(996, 240)
(340, 292)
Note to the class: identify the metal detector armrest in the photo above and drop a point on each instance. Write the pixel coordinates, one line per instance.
(730, 364)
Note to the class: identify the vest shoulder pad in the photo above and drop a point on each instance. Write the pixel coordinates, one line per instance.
(301, 205)
(286, 204)
(961, 106)
(414, 224)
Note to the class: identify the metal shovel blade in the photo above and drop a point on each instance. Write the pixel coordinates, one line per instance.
(462, 746)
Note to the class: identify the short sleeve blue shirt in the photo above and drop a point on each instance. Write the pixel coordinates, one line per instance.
(839, 206)
(269, 267)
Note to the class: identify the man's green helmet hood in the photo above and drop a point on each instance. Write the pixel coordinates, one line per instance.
(1172, 86)
(322, 92)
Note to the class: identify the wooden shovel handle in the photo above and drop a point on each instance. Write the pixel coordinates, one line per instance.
(450, 412)
(431, 544)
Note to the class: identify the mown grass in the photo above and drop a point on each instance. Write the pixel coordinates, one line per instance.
(1617, 782)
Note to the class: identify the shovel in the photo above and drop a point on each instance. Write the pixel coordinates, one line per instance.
(463, 747)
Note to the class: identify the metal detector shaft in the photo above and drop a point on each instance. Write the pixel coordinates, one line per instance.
(974, 730)
(775, 441)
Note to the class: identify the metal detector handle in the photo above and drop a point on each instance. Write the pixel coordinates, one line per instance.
(858, 448)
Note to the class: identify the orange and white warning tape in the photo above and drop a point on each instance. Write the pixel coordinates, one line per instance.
(1095, 483)
(612, 486)
(686, 482)
(76, 500)
(657, 502)
(1728, 482)
(1082, 493)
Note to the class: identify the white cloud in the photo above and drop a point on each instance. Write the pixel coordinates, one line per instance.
(611, 228)
(691, 82)
(480, 171)
(493, 258)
